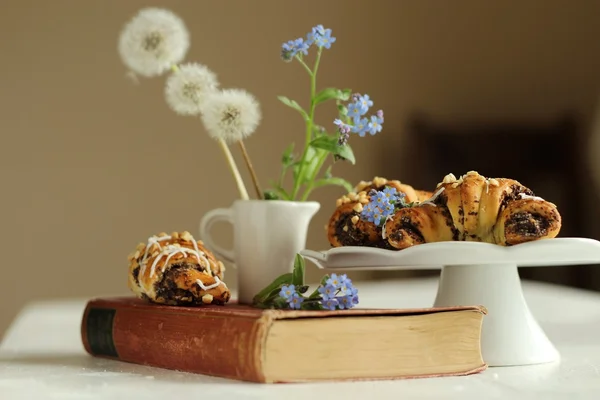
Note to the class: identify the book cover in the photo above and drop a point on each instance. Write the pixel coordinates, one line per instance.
(245, 343)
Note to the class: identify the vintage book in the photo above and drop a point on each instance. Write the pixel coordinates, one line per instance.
(269, 346)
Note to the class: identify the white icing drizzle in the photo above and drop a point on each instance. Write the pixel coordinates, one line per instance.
(383, 235)
(528, 197)
(432, 199)
(171, 250)
(151, 240)
(214, 285)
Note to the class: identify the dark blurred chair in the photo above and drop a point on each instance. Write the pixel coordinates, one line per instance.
(547, 158)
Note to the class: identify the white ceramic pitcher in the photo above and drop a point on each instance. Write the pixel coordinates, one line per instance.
(267, 235)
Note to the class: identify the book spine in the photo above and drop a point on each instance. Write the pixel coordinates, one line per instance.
(228, 347)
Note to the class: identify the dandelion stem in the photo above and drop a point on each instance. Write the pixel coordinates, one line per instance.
(234, 169)
(251, 169)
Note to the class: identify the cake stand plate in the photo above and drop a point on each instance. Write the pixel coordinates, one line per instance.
(476, 273)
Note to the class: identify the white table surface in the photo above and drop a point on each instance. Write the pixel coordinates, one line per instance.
(41, 357)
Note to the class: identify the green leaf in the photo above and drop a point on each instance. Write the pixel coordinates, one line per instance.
(347, 154)
(287, 158)
(277, 303)
(298, 273)
(316, 293)
(280, 303)
(328, 172)
(319, 130)
(271, 195)
(330, 144)
(277, 193)
(296, 170)
(335, 181)
(326, 94)
(311, 306)
(343, 110)
(269, 300)
(284, 279)
(311, 164)
(302, 289)
(293, 104)
(345, 94)
(332, 93)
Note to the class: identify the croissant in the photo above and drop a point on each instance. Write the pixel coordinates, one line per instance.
(474, 208)
(346, 228)
(177, 270)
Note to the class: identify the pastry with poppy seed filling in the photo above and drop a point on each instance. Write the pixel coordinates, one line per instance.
(474, 208)
(347, 228)
(176, 269)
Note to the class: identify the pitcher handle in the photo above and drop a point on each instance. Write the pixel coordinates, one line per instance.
(206, 223)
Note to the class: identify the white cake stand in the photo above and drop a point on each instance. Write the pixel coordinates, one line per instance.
(479, 274)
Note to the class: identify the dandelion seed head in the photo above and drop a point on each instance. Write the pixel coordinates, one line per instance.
(153, 41)
(231, 114)
(188, 87)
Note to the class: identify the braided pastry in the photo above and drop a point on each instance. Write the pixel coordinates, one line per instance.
(474, 208)
(177, 270)
(346, 228)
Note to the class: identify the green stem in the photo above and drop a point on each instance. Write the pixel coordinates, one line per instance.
(317, 61)
(284, 171)
(309, 122)
(282, 176)
(311, 183)
(305, 66)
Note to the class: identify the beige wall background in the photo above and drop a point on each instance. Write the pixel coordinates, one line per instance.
(90, 163)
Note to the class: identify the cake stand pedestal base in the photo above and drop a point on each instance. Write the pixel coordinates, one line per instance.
(511, 335)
